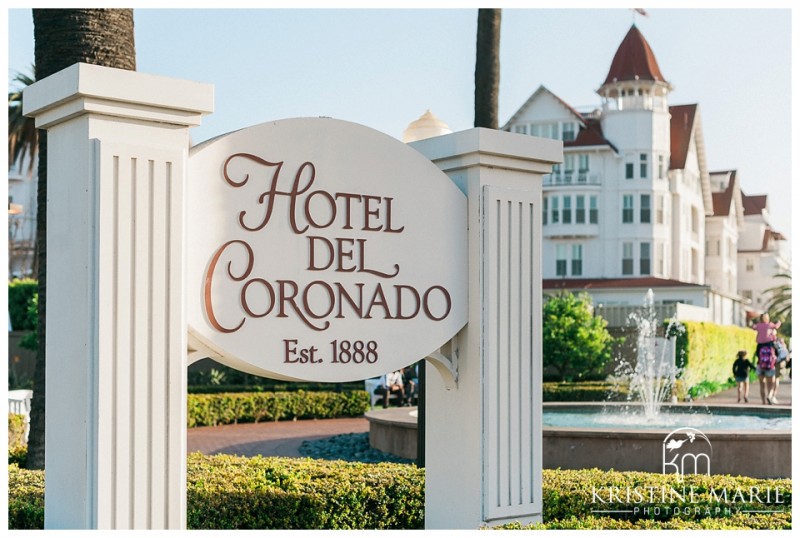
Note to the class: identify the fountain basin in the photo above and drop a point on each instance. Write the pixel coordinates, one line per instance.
(758, 453)
(394, 430)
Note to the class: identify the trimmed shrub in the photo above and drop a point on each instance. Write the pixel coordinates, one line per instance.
(232, 408)
(231, 492)
(16, 430)
(20, 295)
(706, 351)
(228, 492)
(25, 498)
(272, 385)
(585, 391)
(569, 493)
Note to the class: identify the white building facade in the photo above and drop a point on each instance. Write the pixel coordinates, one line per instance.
(632, 207)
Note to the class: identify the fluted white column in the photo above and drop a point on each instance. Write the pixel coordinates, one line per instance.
(116, 331)
(483, 446)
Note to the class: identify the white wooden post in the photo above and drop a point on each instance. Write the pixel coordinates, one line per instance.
(483, 447)
(116, 331)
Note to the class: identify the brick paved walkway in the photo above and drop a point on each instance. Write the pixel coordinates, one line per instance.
(268, 438)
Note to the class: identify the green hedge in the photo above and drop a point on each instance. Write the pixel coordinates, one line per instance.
(25, 498)
(271, 385)
(20, 294)
(232, 408)
(584, 391)
(230, 492)
(16, 430)
(706, 352)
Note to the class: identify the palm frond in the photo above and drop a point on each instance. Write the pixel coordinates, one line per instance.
(23, 138)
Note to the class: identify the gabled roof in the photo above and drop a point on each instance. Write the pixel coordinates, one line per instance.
(685, 129)
(539, 91)
(681, 126)
(634, 60)
(754, 205)
(729, 198)
(590, 132)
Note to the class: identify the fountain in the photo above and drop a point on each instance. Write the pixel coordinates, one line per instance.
(748, 440)
(654, 373)
(752, 441)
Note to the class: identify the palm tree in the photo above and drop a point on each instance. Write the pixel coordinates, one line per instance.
(779, 304)
(487, 68)
(63, 37)
(23, 141)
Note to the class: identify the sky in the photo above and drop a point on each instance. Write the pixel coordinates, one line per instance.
(384, 68)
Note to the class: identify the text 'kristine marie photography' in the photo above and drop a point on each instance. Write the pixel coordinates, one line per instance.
(379, 294)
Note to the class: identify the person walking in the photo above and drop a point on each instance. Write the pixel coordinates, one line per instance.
(741, 373)
(766, 334)
(780, 367)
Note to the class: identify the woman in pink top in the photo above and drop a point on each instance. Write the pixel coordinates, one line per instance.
(766, 331)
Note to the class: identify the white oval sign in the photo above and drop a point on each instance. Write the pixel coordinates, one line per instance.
(322, 250)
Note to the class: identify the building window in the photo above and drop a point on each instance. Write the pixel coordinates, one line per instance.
(583, 167)
(644, 210)
(521, 129)
(664, 259)
(577, 260)
(627, 208)
(580, 209)
(554, 209)
(545, 130)
(569, 168)
(561, 260)
(566, 212)
(644, 259)
(568, 132)
(628, 170)
(643, 165)
(695, 220)
(660, 167)
(544, 210)
(627, 258)
(749, 265)
(593, 211)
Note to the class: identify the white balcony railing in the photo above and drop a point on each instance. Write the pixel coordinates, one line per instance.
(571, 178)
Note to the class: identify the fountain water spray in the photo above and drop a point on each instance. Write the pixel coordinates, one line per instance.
(652, 379)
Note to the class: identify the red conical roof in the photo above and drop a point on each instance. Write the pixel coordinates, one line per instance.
(634, 60)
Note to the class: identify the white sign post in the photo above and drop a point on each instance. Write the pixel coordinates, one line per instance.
(116, 327)
(483, 438)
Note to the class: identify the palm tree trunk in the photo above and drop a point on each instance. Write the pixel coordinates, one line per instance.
(63, 37)
(487, 68)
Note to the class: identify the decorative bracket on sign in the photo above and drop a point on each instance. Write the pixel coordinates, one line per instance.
(445, 359)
